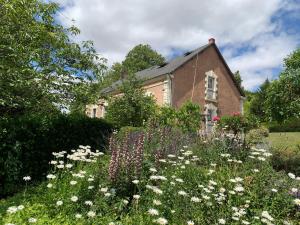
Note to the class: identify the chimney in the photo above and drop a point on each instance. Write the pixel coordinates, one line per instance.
(211, 41)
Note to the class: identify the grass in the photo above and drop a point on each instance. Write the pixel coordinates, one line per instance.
(285, 140)
(204, 183)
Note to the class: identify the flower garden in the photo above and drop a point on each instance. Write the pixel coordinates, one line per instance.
(159, 175)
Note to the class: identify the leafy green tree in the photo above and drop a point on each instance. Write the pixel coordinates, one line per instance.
(283, 97)
(238, 79)
(133, 107)
(258, 102)
(141, 57)
(39, 61)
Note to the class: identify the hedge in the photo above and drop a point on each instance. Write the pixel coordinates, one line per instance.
(292, 125)
(26, 144)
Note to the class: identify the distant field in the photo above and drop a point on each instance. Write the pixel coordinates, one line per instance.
(283, 140)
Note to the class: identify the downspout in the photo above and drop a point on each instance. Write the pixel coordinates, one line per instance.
(169, 79)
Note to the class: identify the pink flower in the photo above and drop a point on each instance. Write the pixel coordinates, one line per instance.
(236, 113)
(216, 118)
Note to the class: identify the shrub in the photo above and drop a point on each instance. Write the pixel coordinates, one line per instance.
(189, 117)
(237, 123)
(257, 135)
(286, 159)
(133, 107)
(292, 125)
(27, 144)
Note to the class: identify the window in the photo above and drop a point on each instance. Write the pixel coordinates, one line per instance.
(211, 83)
(94, 113)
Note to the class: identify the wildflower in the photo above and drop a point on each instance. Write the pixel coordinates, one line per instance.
(221, 221)
(20, 207)
(153, 170)
(125, 202)
(294, 190)
(111, 223)
(153, 212)
(255, 170)
(27, 178)
(161, 221)
(222, 190)
(195, 199)
(78, 216)
(179, 180)
(157, 190)
(135, 181)
(49, 185)
(51, 176)
(91, 214)
(107, 194)
(212, 182)
(12, 209)
(103, 190)
(274, 190)
(91, 187)
(297, 201)
(90, 203)
(59, 203)
(190, 222)
(156, 202)
(60, 166)
(74, 198)
(239, 189)
(291, 175)
(266, 215)
(183, 193)
(136, 197)
(90, 179)
(69, 165)
(245, 222)
(32, 220)
(73, 182)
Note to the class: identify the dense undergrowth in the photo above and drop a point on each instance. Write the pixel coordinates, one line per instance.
(159, 178)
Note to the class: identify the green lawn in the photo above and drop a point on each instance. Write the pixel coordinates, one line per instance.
(284, 140)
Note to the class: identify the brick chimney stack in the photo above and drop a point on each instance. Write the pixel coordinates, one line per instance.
(211, 41)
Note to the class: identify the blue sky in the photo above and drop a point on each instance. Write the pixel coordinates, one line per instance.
(254, 36)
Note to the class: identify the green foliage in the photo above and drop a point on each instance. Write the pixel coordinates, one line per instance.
(202, 183)
(139, 58)
(291, 125)
(237, 123)
(258, 135)
(257, 102)
(41, 60)
(189, 117)
(132, 107)
(27, 144)
(283, 98)
(238, 79)
(167, 116)
(286, 159)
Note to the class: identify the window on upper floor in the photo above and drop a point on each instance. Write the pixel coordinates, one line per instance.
(94, 112)
(211, 83)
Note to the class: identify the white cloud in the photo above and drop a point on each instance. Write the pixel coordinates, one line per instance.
(117, 26)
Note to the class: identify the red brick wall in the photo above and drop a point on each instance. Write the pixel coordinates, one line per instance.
(228, 100)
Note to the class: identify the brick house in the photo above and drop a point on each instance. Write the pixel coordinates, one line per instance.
(201, 75)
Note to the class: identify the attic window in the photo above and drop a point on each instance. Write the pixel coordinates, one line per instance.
(187, 53)
(162, 65)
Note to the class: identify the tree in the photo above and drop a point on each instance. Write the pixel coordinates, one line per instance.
(238, 79)
(133, 107)
(139, 58)
(258, 102)
(283, 98)
(40, 63)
